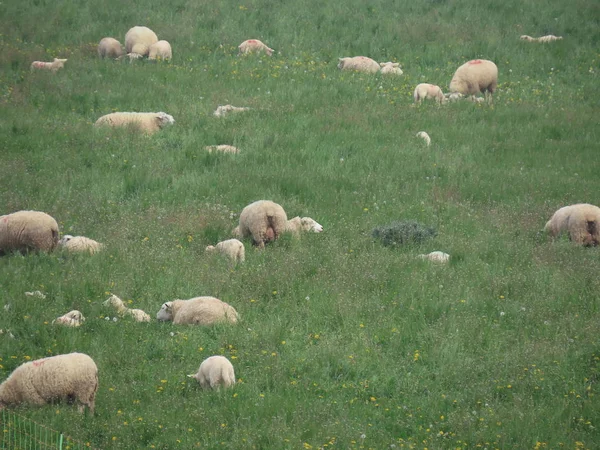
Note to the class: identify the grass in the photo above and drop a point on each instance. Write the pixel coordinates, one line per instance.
(343, 343)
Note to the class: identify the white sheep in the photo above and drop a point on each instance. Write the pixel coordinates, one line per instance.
(300, 224)
(428, 91)
(358, 63)
(160, 50)
(436, 256)
(214, 372)
(580, 221)
(197, 311)
(79, 244)
(477, 75)
(110, 48)
(28, 231)
(68, 376)
(262, 220)
(232, 248)
(71, 319)
(137, 314)
(138, 40)
(543, 39)
(51, 66)
(254, 46)
(222, 110)
(222, 149)
(36, 294)
(423, 135)
(148, 122)
(390, 68)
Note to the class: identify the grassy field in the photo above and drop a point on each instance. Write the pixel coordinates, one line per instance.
(343, 342)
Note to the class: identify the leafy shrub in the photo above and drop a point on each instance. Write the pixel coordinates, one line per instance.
(403, 233)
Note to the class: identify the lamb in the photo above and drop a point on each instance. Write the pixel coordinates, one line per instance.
(436, 256)
(68, 376)
(358, 63)
(214, 372)
(53, 66)
(299, 224)
(231, 248)
(425, 137)
(478, 75)
(222, 110)
(160, 50)
(581, 221)
(263, 220)
(148, 122)
(137, 314)
(138, 41)
(543, 39)
(197, 311)
(390, 68)
(426, 90)
(36, 294)
(79, 244)
(222, 149)
(254, 46)
(25, 231)
(456, 96)
(110, 48)
(71, 319)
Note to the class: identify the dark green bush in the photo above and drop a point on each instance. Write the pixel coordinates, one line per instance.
(403, 233)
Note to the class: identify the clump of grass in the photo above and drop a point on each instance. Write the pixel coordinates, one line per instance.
(403, 233)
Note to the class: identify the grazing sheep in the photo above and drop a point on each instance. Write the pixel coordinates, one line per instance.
(69, 376)
(149, 122)
(160, 50)
(222, 149)
(36, 294)
(425, 137)
(263, 220)
(214, 372)
(110, 48)
(390, 68)
(71, 319)
(436, 256)
(358, 63)
(425, 90)
(254, 46)
(137, 314)
(139, 39)
(477, 75)
(222, 110)
(197, 311)
(543, 39)
(79, 244)
(28, 231)
(52, 66)
(299, 224)
(581, 221)
(231, 248)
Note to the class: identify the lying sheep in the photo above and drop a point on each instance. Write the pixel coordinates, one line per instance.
(197, 311)
(581, 221)
(222, 149)
(137, 314)
(390, 68)
(358, 63)
(262, 220)
(478, 75)
(299, 224)
(423, 135)
(428, 91)
(222, 110)
(52, 66)
(79, 244)
(232, 248)
(36, 294)
(436, 256)
(456, 96)
(160, 50)
(25, 231)
(149, 123)
(254, 46)
(543, 39)
(110, 48)
(138, 41)
(70, 376)
(71, 319)
(214, 372)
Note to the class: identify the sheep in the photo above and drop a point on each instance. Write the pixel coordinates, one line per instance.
(581, 221)
(67, 376)
(214, 372)
(71, 319)
(477, 75)
(263, 220)
(231, 248)
(426, 90)
(543, 39)
(222, 149)
(137, 314)
(36, 294)
(197, 311)
(138, 41)
(358, 63)
(254, 46)
(79, 244)
(28, 231)
(146, 122)
(160, 50)
(299, 224)
(425, 137)
(390, 68)
(53, 66)
(456, 96)
(436, 256)
(110, 48)
(222, 110)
